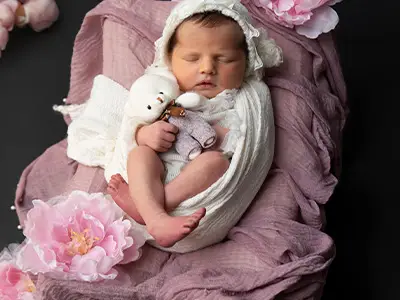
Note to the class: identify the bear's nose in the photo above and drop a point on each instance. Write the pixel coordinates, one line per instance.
(161, 100)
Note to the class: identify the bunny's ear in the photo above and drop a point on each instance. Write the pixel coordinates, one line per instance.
(269, 52)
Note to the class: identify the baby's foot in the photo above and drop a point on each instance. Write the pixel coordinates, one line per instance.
(168, 230)
(119, 191)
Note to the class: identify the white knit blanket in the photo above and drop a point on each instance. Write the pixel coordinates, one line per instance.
(92, 139)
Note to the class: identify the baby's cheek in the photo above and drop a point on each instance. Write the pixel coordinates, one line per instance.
(233, 77)
(185, 83)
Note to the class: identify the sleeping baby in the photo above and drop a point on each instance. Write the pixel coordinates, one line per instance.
(212, 49)
(208, 54)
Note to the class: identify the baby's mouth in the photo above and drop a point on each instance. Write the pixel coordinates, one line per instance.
(206, 84)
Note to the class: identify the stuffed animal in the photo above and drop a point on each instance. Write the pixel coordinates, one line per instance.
(156, 96)
(38, 14)
(8, 9)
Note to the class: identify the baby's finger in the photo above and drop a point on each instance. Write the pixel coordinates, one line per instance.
(169, 137)
(168, 127)
(162, 149)
(165, 144)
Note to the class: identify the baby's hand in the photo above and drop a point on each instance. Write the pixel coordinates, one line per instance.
(158, 136)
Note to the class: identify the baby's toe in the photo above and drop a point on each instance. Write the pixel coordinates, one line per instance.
(111, 189)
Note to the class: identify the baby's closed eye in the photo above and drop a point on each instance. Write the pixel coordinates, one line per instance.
(191, 57)
(225, 59)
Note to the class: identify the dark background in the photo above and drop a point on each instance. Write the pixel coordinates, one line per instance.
(362, 215)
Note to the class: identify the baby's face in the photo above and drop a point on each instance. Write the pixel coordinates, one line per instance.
(208, 60)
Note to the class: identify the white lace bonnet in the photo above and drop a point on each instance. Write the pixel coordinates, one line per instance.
(262, 51)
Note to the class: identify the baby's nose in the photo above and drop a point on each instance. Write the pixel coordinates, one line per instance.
(207, 66)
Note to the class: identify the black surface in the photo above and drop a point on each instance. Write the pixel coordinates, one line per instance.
(34, 75)
(362, 217)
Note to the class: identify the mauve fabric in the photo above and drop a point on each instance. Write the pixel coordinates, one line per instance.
(278, 250)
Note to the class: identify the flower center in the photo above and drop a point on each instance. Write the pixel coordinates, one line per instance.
(81, 242)
(25, 285)
(29, 286)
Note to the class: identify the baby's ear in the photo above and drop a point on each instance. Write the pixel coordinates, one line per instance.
(268, 50)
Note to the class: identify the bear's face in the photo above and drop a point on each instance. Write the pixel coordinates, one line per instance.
(150, 96)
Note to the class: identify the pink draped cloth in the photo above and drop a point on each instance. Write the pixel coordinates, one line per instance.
(279, 248)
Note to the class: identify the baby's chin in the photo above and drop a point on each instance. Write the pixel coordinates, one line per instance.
(208, 95)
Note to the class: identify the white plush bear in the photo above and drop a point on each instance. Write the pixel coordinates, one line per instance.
(156, 95)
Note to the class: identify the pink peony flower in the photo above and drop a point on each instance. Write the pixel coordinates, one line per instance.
(79, 237)
(14, 284)
(309, 17)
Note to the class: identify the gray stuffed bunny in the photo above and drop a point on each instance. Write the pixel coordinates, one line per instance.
(194, 135)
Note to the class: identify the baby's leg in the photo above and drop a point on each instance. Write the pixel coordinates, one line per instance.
(196, 177)
(119, 191)
(145, 171)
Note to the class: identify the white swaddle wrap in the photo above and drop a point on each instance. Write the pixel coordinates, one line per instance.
(92, 135)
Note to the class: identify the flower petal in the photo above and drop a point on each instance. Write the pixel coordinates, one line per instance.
(62, 255)
(96, 254)
(96, 228)
(131, 254)
(333, 2)
(38, 220)
(134, 252)
(88, 271)
(112, 274)
(60, 234)
(285, 5)
(324, 20)
(76, 201)
(109, 245)
(13, 275)
(85, 267)
(108, 211)
(119, 231)
(309, 5)
(105, 265)
(36, 260)
(26, 296)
